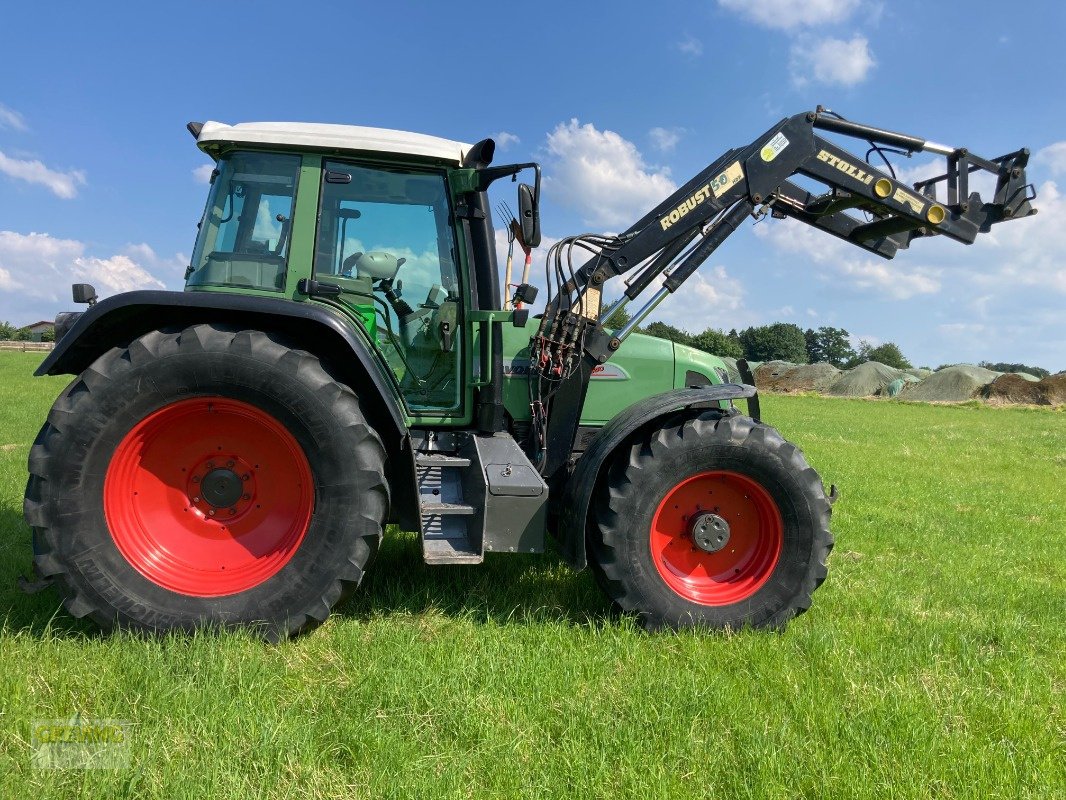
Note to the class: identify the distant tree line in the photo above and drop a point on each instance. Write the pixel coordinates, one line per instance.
(9, 333)
(783, 341)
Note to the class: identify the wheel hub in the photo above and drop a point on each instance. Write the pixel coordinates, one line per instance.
(221, 487)
(710, 533)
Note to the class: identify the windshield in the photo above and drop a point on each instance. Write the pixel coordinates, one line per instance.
(244, 234)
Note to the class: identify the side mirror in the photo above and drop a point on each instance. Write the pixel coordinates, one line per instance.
(528, 216)
(83, 293)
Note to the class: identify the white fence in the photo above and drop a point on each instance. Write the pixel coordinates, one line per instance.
(26, 346)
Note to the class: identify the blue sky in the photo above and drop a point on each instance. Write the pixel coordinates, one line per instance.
(620, 101)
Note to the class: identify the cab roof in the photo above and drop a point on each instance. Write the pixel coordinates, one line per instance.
(330, 137)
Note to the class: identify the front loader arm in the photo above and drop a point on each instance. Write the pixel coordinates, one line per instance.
(861, 204)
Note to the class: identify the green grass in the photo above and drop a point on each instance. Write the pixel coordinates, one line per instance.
(932, 663)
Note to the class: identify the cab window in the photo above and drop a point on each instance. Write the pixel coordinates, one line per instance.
(384, 237)
(244, 234)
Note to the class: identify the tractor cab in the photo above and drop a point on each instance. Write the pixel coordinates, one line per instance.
(359, 218)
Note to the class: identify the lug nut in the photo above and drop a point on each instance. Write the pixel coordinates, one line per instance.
(195, 478)
(246, 497)
(211, 512)
(229, 463)
(233, 511)
(246, 477)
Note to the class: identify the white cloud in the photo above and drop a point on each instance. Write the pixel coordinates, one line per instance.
(839, 260)
(11, 119)
(61, 184)
(202, 173)
(504, 139)
(690, 46)
(1030, 252)
(36, 271)
(665, 139)
(790, 14)
(711, 298)
(602, 176)
(1053, 157)
(831, 61)
(984, 183)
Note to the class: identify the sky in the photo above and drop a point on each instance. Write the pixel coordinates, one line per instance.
(622, 102)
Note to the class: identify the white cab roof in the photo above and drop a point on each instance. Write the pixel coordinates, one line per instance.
(333, 137)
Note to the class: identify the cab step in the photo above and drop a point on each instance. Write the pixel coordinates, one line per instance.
(447, 520)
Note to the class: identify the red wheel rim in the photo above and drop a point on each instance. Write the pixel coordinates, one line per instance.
(208, 496)
(749, 550)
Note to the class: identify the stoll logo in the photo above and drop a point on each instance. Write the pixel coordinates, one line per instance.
(519, 367)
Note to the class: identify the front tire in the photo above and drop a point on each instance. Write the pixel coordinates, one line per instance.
(209, 477)
(711, 521)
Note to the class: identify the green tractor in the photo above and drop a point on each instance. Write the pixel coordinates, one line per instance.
(342, 359)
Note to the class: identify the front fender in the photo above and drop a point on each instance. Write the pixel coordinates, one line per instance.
(577, 494)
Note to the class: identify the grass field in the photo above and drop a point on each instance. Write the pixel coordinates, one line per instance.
(932, 663)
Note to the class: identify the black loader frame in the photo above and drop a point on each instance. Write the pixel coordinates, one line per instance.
(677, 236)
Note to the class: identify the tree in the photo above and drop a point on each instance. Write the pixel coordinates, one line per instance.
(828, 344)
(889, 354)
(781, 341)
(669, 332)
(1003, 366)
(715, 342)
(8, 332)
(618, 318)
(711, 341)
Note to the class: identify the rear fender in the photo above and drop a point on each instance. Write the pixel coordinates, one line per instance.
(118, 320)
(573, 507)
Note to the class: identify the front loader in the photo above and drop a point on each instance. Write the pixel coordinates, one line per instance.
(342, 359)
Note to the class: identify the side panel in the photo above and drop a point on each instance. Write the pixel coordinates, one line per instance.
(644, 366)
(572, 507)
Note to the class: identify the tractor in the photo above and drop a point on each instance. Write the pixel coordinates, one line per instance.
(344, 358)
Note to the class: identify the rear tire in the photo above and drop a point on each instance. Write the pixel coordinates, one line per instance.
(209, 477)
(711, 521)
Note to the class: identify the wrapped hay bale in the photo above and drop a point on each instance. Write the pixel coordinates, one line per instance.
(951, 384)
(865, 380)
(893, 388)
(731, 369)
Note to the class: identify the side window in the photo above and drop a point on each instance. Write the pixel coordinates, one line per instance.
(384, 237)
(244, 235)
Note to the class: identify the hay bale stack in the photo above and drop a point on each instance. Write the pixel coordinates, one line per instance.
(805, 378)
(951, 384)
(1015, 388)
(865, 380)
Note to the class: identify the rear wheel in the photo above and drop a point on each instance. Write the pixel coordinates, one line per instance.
(207, 477)
(713, 520)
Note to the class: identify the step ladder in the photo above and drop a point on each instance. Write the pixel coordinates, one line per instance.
(451, 527)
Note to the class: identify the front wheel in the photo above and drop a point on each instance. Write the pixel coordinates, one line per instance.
(714, 521)
(207, 477)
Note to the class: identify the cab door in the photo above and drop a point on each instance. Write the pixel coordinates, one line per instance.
(384, 236)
